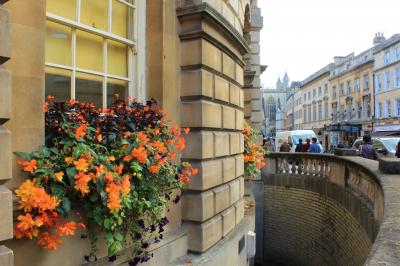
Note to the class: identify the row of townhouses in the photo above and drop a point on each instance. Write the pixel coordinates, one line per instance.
(352, 96)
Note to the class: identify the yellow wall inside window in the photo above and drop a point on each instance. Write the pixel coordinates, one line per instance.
(117, 59)
(58, 44)
(94, 13)
(119, 19)
(62, 8)
(89, 51)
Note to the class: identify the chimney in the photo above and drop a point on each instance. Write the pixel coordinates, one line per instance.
(379, 38)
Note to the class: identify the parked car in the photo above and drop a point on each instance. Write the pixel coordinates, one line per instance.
(385, 146)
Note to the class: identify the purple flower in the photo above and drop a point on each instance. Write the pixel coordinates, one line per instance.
(135, 261)
(145, 245)
(177, 199)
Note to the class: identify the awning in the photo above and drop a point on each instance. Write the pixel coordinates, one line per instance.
(387, 128)
(385, 133)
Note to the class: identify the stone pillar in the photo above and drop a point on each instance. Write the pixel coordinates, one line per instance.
(252, 84)
(6, 215)
(212, 48)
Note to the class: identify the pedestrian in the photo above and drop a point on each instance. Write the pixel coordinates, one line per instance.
(320, 145)
(269, 146)
(367, 150)
(285, 147)
(398, 150)
(300, 146)
(315, 146)
(306, 146)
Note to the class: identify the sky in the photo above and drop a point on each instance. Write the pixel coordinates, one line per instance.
(302, 36)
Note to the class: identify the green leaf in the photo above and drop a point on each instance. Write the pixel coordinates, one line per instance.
(71, 172)
(26, 156)
(136, 167)
(118, 236)
(109, 237)
(108, 223)
(66, 205)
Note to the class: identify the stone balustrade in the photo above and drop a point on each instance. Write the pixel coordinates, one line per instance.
(329, 209)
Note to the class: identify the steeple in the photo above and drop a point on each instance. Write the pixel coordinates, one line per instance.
(279, 84)
(285, 82)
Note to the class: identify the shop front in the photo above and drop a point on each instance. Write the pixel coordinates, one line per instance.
(344, 134)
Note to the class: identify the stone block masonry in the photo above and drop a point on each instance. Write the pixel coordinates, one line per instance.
(6, 212)
(212, 50)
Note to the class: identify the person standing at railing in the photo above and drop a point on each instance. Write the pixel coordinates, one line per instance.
(315, 146)
(300, 146)
(285, 147)
(306, 146)
(367, 150)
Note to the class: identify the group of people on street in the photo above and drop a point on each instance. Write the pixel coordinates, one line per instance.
(313, 147)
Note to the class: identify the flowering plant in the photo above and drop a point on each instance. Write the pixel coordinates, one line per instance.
(253, 153)
(116, 166)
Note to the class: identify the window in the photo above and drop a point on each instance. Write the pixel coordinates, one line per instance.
(309, 114)
(387, 80)
(387, 109)
(378, 83)
(387, 57)
(305, 97)
(326, 110)
(305, 115)
(341, 89)
(334, 113)
(326, 89)
(314, 113)
(309, 95)
(397, 107)
(378, 110)
(320, 111)
(314, 94)
(357, 114)
(396, 53)
(349, 112)
(366, 108)
(334, 92)
(349, 87)
(366, 81)
(396, 77)
(341, 117)
(319, 91)
(89, 50)
(357, 85)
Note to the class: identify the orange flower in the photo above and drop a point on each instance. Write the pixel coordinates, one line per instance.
(127, 134)
(81, 183)
(34, 197)
(49, 241)
(153, 169)
(126, 185)
(67, 229)
(114, 200)
(159, 146)
(99, 170)
(29, 166)
(142, 137)
(186, 130)
(46, 107)
(119, 169)
(172, 156)
(81, 165)
(111, 158)
(140, 154)
(69, 160)
(180, 144)
(99, 138)
(80, 131)
(127, 158)
(59, 176)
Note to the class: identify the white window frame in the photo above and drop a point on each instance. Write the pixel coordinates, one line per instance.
(387, 57)
(136, 49)
(387, 79)
(387, 108)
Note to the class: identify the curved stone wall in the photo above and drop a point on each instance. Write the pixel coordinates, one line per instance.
(312, 222)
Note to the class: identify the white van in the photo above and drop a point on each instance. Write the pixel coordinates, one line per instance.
(292, 137)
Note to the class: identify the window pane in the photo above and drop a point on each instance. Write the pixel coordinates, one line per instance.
(58, 84)
(94, 13)
(58, 44)
(117, 59)
(89, 88)
(120, 19)
(115, 86)
(89, 51)
(63, 8)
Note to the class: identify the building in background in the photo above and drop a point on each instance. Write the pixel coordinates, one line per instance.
(315, 94)
(387, 85)
(353, 96)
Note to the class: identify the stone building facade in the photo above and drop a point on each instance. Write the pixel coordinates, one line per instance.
(363, 96)
(198, 58)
